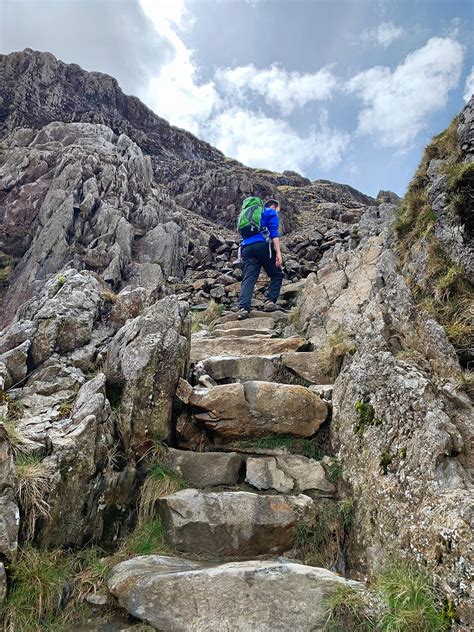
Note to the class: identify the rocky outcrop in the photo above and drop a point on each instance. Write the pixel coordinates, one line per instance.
(84, 429)
(144, 362)
(37, 89)
(262, 595)
(400, 423)
(76, 195)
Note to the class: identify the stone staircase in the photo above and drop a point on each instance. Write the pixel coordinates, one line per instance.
(250, 381)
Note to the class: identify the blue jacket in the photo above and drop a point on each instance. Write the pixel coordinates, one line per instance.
(271, 221)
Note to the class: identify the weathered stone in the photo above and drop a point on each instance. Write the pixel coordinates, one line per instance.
(306, 365)
(285, 473)
(247, 346)
(249, 323)
(9, 513)
(306, 473)
(241, 369)
(225, 524)
(205, 469)
(242, 333)
(144, 363)
(264, 473)
(259, 595)
(3, 583)
(255, 409)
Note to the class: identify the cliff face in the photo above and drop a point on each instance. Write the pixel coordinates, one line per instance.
(113, 224)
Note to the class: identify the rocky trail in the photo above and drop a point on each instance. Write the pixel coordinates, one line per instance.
(162, 461)
(242, 506)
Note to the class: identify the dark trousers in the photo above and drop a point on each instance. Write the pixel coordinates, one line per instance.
(255, 257)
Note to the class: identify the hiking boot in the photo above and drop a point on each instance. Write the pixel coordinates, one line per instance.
(270, 306)
(243, 313)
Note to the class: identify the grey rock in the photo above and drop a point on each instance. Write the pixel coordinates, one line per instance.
(144, 363)
(264, 596)
(225, 524)
(205, 469)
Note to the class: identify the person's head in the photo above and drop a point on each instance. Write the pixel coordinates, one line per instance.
(271, 203)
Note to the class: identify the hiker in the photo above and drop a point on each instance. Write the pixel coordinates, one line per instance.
(260, 247)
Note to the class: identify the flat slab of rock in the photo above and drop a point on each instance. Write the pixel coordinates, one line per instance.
(203, 348)
(228, 524)
(241, 333)
(276, 316)
(306, 365)
(242, 369)
(261, 596)
(205, 469)
(248, 323)
(257, 409)
(287, 473)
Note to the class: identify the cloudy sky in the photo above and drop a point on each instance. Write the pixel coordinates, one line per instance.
(347, 90)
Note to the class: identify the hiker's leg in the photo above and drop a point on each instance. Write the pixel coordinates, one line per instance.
(275, 274)
(251, 272)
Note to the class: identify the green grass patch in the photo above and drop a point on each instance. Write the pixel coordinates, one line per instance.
(38, 583)
(408, 602)
(305, 447)
(411, 600)
(148, 538)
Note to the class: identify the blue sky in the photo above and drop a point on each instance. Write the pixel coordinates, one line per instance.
(347, 90)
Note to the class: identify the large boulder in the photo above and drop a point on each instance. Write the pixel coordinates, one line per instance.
(257, 595)
(227, 524)
(9, 513)
(256, 409)
(144, 362)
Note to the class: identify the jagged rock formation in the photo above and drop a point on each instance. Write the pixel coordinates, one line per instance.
(110, 220)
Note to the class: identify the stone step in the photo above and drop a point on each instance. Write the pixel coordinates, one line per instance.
(254, 409)
(248, 323)
(206, 347)
(228, 524)
(278, 316)
(242, 332)
(283, 473)
(300, 364)
(173, 593)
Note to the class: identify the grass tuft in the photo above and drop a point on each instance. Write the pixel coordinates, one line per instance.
(38, 585)
(34, 484)
(148, 538)
(334, 472)
(411, 600)
(335, 348)
(160, 482)
(348, 610)
(18, 442)
(305, 447)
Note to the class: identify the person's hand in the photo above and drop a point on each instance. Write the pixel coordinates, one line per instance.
(277, 208)
(278, 260)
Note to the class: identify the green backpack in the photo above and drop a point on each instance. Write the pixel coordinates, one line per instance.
(250, 217)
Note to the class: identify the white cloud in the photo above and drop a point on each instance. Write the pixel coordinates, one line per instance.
(469, 86)
(383, 34)
(397, 103)
(277, 86)
(260, 141)
(174, 92)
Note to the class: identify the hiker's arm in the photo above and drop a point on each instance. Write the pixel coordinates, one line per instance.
(276, 245)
